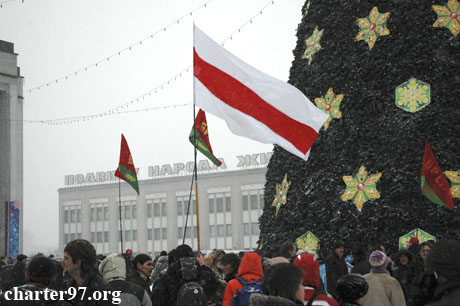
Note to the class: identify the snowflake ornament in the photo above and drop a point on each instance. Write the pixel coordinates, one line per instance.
(361, 187)
(330, 104)
(448, 16)
(281, 194)
(454, 177)
(413, 95)
(373, 26)
(313, 44)
(309, 243)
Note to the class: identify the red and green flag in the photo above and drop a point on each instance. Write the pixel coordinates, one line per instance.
(434, 184)
(126, 170)
(199, 137)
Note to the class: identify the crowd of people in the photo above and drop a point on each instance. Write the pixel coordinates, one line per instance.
(423, 274)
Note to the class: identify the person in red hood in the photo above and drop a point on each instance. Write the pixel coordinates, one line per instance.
(250, 268)
(311, 280)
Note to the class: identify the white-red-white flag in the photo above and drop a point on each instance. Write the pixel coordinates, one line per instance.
(252, 103)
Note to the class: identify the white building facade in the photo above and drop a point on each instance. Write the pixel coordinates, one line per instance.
(230, 203)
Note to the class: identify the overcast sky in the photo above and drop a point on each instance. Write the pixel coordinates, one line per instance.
(55, 38)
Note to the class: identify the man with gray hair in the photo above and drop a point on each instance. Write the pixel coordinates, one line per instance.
(113, 269)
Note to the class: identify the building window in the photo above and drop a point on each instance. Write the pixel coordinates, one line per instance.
(164, 233)
(220, 204)
(245, 202)
(73, 236)
(229, 230)
(93, 237)
(156, 209)
(127, 212)
(99, 214)
(157, 233)
(228, 204)
(212, 231)
(179, 208)
(66, 238)
(163, 209)
(149, 210)
(73, 216)
(255, 229)
(149, 234)
(211, 205)
(246, 229)
(134, 235)
(188, 233)
(254, 202)
(78, 215)
(220, 231)
(99, 237)
(106, 214)
(180, 232)
(66, 216)
(261, 201)
(93, 214)
(79, 235)
(106, 236)
(134, 211)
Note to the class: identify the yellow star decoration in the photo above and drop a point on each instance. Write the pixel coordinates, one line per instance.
(313, 44)
(281, 193)
(330, 104)
(309, 243)
(454, 177)
(372, 27)
(361, 187)
(448, 16)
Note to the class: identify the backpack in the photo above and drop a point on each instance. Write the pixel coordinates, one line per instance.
(191, 294)
(241, 298)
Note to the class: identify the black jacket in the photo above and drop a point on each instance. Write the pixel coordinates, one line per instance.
(94, 283)
(447, 294)
(405, 273)
(131, 294)
(139, 278)
(167, 287)
(19, 274)
(362, 267)
(335, 269)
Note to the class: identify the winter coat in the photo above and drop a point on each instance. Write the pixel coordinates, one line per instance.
(405, 273)
(268, 300)
(165, 292)
(94, 283)
(384, 290)
(311, 280)
(131, 294)
(361, 267)
(7, 297)
(447, 294)
(18, 274)
(139, 278)
(250, 269)
(160, 268)
(335, 268)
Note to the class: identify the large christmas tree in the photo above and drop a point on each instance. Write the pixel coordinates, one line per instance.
(397, 65)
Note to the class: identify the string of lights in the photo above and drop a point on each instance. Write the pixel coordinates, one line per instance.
(118, 53)
(119, 109)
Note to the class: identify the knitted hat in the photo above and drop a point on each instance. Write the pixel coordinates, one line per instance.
(183, 251)
(41, 269)
(444, 258)
(350, 288)
(378, 260)
(414, 240)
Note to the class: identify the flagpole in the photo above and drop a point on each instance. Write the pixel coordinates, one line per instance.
(195, 154)
(119, 209)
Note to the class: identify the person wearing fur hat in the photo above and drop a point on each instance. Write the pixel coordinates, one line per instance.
(444, 261)
(351, 289)
(250, 268)
(183, 269)
(113, 270)
(311, 280)
(282, 286)
(384, 290)
(41, 272)
(336, 267)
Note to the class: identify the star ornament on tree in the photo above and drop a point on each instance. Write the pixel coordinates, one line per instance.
(448, 16)
(454, 177)
(313, 44)
(373, 26)
(281, 194)
(330, 104)
(413, 95)
(361, 187)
